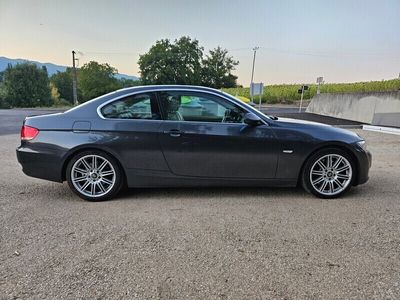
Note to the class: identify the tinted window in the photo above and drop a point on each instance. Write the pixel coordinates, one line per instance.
(188, 106)
(142, 106)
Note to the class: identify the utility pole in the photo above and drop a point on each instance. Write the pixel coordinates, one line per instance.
(74, 79)
(301, 91)
(252, 72)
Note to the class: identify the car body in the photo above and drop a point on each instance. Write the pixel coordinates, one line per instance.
(175, 136)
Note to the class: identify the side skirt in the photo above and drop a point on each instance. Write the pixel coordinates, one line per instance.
(145, 178)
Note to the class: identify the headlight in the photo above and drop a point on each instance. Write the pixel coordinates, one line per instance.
(362, 144)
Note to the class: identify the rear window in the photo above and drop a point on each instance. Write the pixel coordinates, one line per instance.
(142, 106)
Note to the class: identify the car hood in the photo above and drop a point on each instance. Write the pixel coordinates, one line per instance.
(297, 121)
(322, 131)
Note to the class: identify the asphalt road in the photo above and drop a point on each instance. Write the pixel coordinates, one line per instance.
(250, 243)
(11, 119)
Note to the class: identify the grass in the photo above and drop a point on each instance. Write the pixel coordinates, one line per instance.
(287, 93)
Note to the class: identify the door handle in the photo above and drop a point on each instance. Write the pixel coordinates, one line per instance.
(174, 132)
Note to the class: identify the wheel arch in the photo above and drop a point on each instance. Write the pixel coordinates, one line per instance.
(80, 149)
(338, 145)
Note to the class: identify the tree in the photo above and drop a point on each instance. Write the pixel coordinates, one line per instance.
(124, 83)
(26, 85)
(3, 103)
(172, 63)
(96, 79)
(217, 68)
(63, 82)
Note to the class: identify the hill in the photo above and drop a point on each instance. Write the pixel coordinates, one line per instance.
(51, 68)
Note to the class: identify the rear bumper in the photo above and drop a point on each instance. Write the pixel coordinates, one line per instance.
(40, 165)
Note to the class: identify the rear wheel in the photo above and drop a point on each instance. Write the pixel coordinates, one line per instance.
(329, 173)
(94, 175)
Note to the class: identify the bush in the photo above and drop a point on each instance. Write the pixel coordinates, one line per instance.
(3, 102)
(61, 103)
(26, 85)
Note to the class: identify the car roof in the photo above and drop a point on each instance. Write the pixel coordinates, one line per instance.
(167, 87)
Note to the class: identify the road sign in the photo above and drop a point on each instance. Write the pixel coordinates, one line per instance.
(256, 89)
(320, 80)
(302, 89)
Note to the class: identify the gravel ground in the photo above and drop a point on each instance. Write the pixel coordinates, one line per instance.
(201, 244)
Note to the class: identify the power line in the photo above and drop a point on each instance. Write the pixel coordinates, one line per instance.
(240, 49)
(108, 53)
(301, 52)
(318, 53)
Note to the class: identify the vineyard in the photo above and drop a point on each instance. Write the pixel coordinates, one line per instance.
(287, 93)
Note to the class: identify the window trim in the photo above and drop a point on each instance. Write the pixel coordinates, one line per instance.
(156, 90)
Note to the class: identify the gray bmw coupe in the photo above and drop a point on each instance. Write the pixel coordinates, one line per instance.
(175, 136)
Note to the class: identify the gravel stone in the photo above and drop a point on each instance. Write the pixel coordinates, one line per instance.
(210, 243)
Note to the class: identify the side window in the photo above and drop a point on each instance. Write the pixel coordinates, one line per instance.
(141, 106)
(190, 106)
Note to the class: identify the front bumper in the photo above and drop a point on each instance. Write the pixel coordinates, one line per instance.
(364, 164)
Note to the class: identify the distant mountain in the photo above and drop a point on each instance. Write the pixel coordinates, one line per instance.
(51, 68)
(124, 76)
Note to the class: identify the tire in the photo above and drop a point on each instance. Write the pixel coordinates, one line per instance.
(94, 175)
(328, 173)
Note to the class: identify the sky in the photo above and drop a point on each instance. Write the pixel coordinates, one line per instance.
(299, 40)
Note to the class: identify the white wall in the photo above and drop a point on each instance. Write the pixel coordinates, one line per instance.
(380, 108)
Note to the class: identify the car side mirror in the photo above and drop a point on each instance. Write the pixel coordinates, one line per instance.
(252, 119)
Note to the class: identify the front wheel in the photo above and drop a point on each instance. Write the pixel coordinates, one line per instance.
(94, 175)
(329, 173)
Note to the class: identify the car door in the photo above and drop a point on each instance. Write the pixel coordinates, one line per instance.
(133, 124)
(204, 135)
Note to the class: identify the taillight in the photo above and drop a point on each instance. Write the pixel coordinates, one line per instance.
(28, 133)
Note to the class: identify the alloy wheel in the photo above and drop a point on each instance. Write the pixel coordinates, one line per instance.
(331, 174)
(93, 175)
